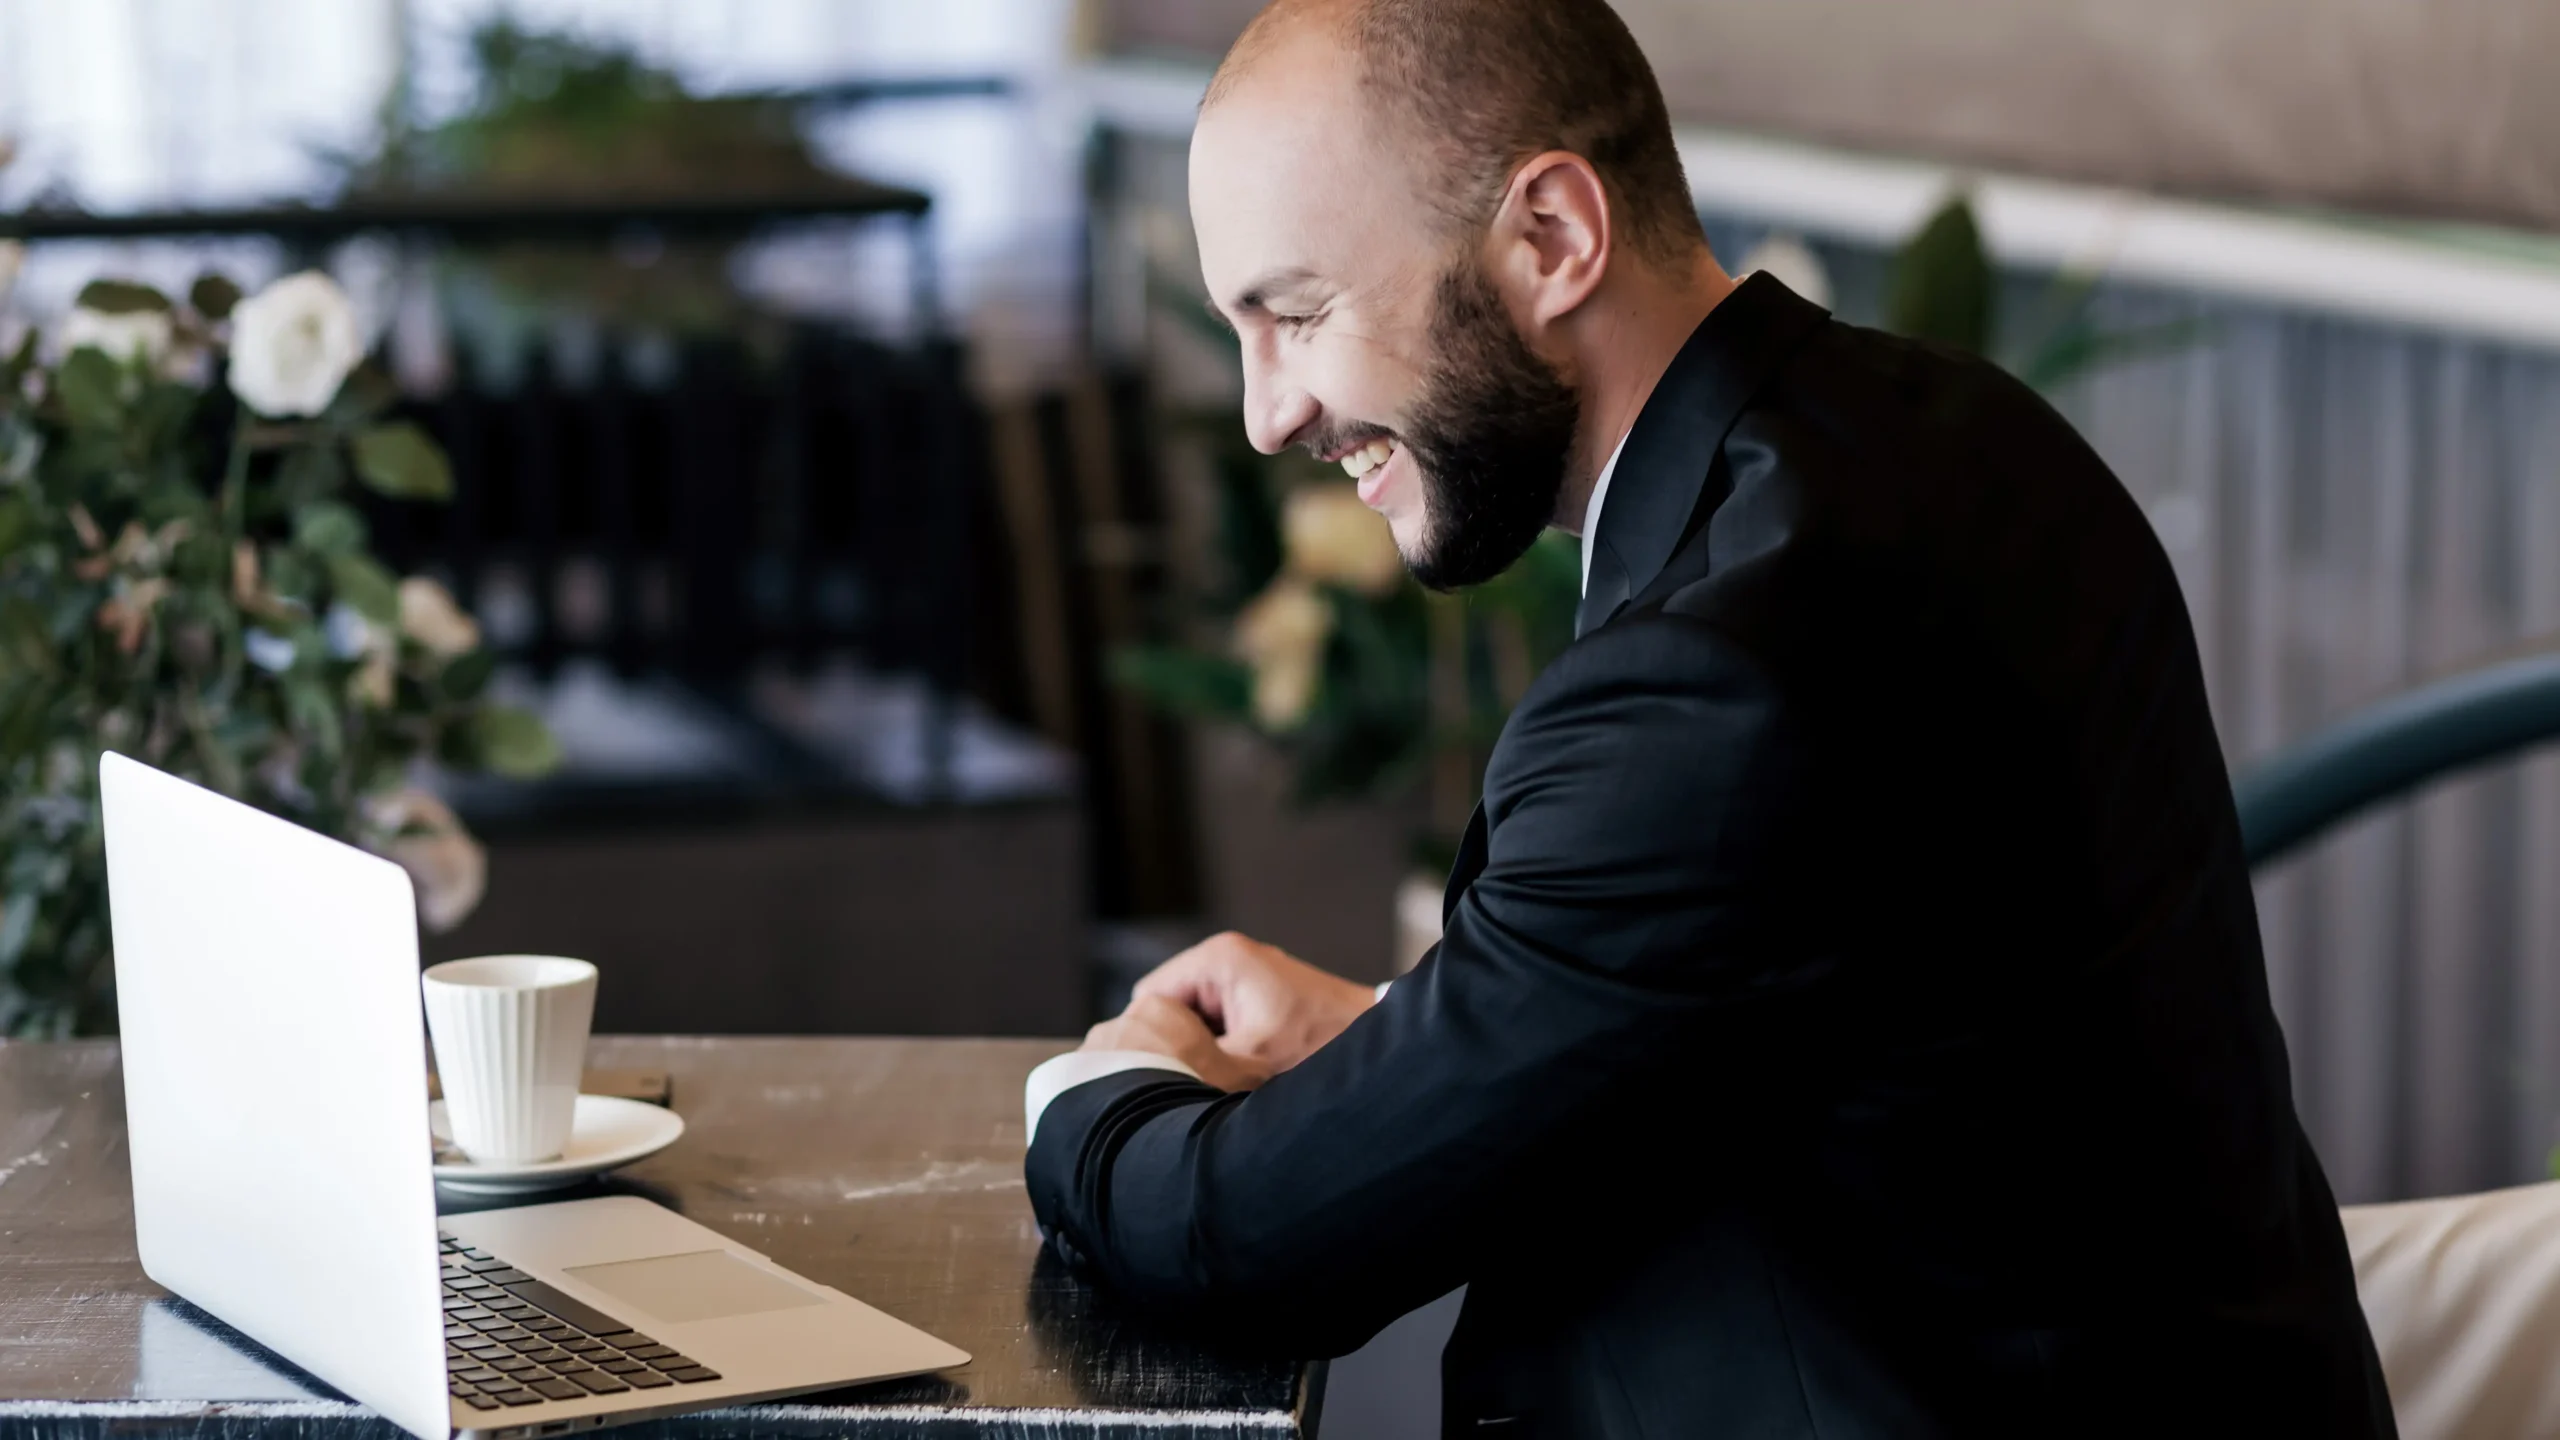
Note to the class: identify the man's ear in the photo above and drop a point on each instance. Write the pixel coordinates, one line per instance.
(1551, 240)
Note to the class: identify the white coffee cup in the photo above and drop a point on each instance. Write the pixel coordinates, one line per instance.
(511, 1043)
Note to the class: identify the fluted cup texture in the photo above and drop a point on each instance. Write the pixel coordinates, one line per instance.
(510, 1034)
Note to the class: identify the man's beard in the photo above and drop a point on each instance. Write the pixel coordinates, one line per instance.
(1491, 437)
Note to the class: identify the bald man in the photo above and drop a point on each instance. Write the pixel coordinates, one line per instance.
(1850, 1020)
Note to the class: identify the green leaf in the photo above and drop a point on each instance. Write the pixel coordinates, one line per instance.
(399, 460)
(120, 297)
(26, 642)
(312, 714)
(468, 675)
(17, 522)
(328, 527)
(1942, 286)
(213, 295)
(86, 384)
(512, 742)
(1186, 682)
(290, 576)
(362, 582)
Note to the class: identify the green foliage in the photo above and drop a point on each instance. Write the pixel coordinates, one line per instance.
(554, 115)
(1945, 289)
(400, 461)
(185, 583)
(1943, 283)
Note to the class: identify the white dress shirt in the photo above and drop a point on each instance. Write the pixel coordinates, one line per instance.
(1055, 1077)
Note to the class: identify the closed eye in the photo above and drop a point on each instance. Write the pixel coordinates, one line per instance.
(1295, 322)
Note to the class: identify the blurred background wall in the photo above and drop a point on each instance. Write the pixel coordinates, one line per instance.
(883, 701)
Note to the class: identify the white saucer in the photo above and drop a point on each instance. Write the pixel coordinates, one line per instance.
(608, 1133)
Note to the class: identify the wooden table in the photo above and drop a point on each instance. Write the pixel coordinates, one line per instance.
(890, 1169)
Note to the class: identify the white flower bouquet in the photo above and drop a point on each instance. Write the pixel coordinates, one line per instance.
(183, 579)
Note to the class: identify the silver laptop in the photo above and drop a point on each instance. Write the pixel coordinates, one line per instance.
(276, 1091)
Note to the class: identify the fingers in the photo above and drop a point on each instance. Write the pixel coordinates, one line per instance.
(1203, 978)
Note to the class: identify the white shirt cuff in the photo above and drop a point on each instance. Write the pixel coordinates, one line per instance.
(1382, 989)
(1055, 1077)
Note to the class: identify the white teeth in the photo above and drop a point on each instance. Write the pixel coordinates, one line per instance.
(1368, 457)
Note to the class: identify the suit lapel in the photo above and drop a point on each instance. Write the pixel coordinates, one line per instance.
(1662, 474)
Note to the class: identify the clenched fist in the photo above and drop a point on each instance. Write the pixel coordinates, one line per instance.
(1162, 1027)
(1268, 1008)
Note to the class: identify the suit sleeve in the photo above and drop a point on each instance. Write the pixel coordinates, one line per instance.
(1610, 951)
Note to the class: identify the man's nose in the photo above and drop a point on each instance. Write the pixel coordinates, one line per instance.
(1274, 409)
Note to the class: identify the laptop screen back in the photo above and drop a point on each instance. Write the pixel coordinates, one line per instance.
(275, 1086)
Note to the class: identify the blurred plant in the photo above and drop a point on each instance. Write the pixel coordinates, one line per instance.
(182, 581)
(1945, 289)
(554, 116)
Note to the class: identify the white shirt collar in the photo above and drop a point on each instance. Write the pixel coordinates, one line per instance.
(1591, 512)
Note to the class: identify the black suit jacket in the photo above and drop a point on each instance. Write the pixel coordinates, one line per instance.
(1851, 1019)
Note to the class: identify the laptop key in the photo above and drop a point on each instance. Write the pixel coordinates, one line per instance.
(691, 1374)
(621, 1367)
(475, 1374)
(646, 1380)
(599, 1383)
(508, 1278)
(582, 1345)
(653, 1351)
(577, 1312)
(519, 1397)
(478, 1401)
(556, 1389)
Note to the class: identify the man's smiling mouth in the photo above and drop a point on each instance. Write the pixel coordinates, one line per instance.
(1368, 457)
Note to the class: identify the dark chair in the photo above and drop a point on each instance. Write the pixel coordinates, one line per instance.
(2395, 746)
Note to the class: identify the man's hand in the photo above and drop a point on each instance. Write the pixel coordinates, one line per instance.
(1268, 1008)
(1163, 1027)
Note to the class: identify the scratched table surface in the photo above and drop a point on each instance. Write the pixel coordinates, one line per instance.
(889, 1169)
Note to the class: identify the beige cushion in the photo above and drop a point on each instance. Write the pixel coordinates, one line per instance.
(2463, 1295)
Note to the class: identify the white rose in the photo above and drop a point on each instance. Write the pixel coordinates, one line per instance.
(1791, 263)
(130, 335)
(1282, 635)
(293, 344)
(1331, 537)
(429, 616)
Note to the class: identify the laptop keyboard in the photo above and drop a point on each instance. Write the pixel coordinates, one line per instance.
(510, 1340)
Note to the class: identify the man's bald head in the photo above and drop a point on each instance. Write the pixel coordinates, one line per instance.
(1479, 86)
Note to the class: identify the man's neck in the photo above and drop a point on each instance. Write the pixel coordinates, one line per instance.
(1632, 332)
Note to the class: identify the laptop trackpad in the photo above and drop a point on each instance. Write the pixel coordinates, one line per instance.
(705, 1285)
